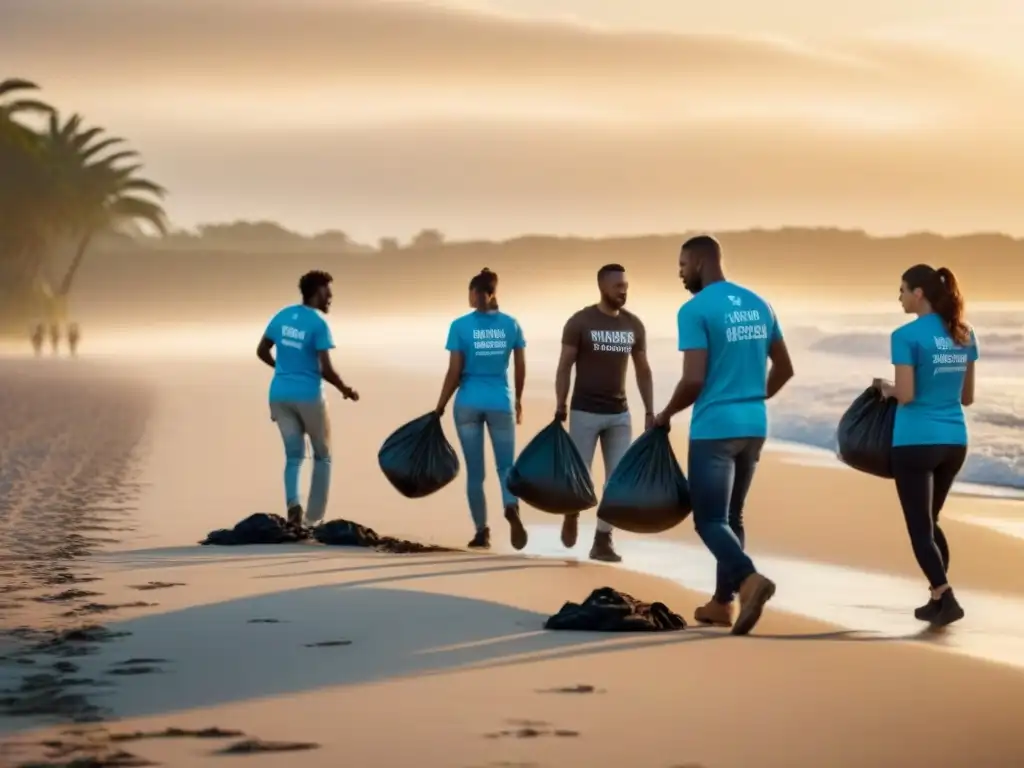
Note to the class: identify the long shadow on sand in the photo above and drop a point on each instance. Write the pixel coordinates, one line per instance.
(357, 632)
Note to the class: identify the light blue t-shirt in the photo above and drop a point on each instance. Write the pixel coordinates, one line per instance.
(299, 334)
(486, 341)
(737, 328)
(935, 415)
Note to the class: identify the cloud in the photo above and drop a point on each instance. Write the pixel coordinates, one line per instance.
(262, 49)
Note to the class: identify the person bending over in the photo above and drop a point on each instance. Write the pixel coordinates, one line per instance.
(934, 357)
(480, 346)
(598, 341)
(727, 334)
(303, 362)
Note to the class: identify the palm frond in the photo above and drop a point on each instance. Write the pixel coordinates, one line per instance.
(13, 84)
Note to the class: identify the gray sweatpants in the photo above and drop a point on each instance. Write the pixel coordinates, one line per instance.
(614, 430)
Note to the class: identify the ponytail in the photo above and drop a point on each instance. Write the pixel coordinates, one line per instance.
(485, 287)
(950, 307)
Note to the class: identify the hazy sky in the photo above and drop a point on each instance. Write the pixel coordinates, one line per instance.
(495, 117)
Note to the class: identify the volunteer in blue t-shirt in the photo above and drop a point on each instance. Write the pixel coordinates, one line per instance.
(303, 362)
(480, 346)
(934, 358)
(727, 334)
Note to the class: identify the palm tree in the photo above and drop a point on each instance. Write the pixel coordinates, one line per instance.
(97, 192)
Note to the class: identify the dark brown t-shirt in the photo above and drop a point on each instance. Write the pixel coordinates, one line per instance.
(604, 345)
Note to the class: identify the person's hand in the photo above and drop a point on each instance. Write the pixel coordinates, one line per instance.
(439, 411)
(350, 394)
(519, 412)
(560, 415)
(648, 420)
(663, 420)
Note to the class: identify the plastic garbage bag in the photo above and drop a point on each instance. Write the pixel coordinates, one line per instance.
(647, 492)
(864, 435)
(417, 458)
(550, 474)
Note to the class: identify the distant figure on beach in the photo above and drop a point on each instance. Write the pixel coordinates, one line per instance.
(303, 362)
(727, 334)
(37, 337)
(599, 342)
(73, 336)
(933, 357)
(480, 346)
(54, 338)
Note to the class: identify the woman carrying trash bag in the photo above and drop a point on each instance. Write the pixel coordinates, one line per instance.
(480, 345)
(934, 358)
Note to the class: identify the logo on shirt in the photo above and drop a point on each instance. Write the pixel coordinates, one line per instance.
(735, 300)
(489, 341)
(620, 342)
(292, 337)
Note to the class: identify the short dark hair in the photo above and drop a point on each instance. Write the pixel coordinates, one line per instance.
(705, 245)
(607, 269)
(313, 281)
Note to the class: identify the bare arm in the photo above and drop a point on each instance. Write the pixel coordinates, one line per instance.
(782, 368)
(451, 380)
(695, 369)
(331, 376)
(519, 361)
(563, 376)
(902, 388)
(644, 380)
(263, 351)
(967, 393)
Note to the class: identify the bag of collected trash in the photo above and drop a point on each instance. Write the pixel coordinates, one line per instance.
(550, 474)
(608, 610)
(258, 529)
(647, 492)
(417, 458)
(864, 435)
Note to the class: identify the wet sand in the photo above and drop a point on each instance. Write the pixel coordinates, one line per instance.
(111, 472)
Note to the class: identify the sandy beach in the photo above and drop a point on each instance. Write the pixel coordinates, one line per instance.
(111, 472)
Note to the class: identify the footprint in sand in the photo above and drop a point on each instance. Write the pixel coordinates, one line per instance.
(531, 729)
(581, 688)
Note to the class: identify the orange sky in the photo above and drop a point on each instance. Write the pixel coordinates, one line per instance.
(503, 116)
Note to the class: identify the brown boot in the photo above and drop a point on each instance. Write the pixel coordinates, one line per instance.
(714, 613)
(603, 549)
(755, 591)
(517, 532)
(570, 530)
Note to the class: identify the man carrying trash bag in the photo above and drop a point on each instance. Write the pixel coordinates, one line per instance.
(727, 334)
(598, 341)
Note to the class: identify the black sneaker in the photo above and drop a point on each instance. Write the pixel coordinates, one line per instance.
(603, 549)
(949, 610)
(517, 532)
(295, 515)
(482, 540)
(927, 611)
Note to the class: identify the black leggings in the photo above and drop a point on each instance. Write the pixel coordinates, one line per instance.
(924, 474)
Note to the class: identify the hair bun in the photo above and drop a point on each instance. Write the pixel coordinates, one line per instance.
(486, 271)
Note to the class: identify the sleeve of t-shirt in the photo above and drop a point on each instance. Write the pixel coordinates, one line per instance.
(272, 328)
(776, 326)
(518, 339)
(571, 332)
(973, 352)
(639, 337)
(902, 349)
(693, 332)
(323, 338)
(453, 344)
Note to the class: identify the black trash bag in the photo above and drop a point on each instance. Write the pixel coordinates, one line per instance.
(345, 533)
(608, 610)
(258, 529)
(418, 459)
(864, 435)
(550, 474)
(647, 492)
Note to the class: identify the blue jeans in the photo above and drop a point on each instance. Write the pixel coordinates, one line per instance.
(720, 473)
(501, 425)
(297, 420)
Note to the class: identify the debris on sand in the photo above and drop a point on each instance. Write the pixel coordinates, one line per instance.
(581, 688)
(178, 733)
(151, 585)
(274, 529)
(531, 729)
(329, 644)
(94, 608)
(256, 746)
(608, 610)
(111, 759)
